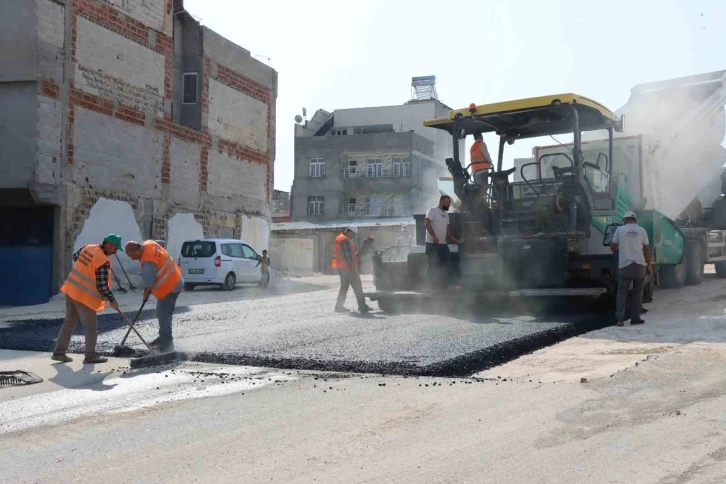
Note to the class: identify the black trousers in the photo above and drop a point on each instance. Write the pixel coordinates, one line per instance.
(350, 279)
(439, 270)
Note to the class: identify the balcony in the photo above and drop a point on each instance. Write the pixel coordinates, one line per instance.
(399, 171)
(355, 211)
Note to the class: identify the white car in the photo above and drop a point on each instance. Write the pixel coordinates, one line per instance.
(221, 262)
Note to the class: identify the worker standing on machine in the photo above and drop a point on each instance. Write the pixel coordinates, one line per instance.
(480, 160)
(438, 228)
(631, 243)
(162, 278)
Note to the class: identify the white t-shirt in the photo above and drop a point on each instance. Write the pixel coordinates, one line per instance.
(630, 239)
(439, 222)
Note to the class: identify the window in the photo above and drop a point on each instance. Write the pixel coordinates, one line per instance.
(227, 250)
(375, 168)
(248, 252)
(339, 132)
(317, 167)
(190, 88)
(198, 249)
(401, 167)
(352, 167)
(236, 251)
(316, 205)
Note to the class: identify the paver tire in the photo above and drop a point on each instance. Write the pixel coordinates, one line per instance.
(189, 287)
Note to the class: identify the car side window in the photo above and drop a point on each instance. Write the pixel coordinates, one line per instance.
(226, 250)
(236, 251)
(249, 252)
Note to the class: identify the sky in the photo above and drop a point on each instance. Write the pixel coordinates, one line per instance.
(335, 54)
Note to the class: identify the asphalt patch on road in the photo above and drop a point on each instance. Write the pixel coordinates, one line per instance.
(478, 343)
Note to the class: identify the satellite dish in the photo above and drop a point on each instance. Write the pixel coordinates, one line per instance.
(298, 119)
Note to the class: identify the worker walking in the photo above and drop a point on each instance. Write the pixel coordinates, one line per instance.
(345, 260)
(162, 277)
(631, 243)
(87, 290)
(480, 160)
(438, 228)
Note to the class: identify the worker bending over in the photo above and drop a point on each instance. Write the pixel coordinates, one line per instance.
(631, 243)
(87, 289)
(162, 277)
(481, 162)
(345, 260)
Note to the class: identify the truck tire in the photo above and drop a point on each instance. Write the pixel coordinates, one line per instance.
(720, 269)
(694, 262)
(672, 277)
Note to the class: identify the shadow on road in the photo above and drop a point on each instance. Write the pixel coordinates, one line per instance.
(66, 377)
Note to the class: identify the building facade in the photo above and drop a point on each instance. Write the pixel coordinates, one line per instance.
(128, 116)
(377, 162)
(280, 206)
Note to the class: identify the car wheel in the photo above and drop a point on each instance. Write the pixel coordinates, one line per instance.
(229, 282)
(189, 287)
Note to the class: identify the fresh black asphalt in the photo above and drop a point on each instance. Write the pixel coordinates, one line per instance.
(441, 338)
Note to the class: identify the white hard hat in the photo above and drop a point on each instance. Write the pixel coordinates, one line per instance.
(630, 214)
(353, 228)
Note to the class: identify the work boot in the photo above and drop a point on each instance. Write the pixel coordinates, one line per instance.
(634, 322)
(341, 309)
(155, 344)
(365, 309)
(619, 323)
(62, 357)
(95, 359)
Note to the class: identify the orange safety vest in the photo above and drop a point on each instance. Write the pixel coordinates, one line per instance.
(339, 261)
(168, 274)
(81, 282)
(476, 155)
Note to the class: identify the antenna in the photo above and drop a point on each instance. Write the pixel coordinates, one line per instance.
(305, 113)
(424, 88)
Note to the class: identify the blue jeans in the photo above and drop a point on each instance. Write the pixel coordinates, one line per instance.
(164, 311)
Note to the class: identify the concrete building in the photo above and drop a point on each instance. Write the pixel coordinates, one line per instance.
(280, 206)
(372, 162)
(125, 116)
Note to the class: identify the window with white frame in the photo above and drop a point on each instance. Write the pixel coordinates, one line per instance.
(317, 167)
(316, 205)
(375, 168)
(401, 167)
(189, 95)
(352, 167)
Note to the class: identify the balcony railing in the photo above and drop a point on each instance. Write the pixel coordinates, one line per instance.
(396, 210)
(364, 172)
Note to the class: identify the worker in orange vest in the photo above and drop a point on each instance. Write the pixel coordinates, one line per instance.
(87, 289)
(162, 278)
(481, 162)
(345, 260)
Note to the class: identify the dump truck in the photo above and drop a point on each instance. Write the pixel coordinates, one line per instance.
(546, 232)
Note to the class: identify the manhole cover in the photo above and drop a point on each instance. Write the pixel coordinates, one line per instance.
(16, 378)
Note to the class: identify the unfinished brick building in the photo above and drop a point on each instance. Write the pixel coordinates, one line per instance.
(113, 105)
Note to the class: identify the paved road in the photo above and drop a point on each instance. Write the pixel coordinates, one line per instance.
(300, 330)
(661, 422)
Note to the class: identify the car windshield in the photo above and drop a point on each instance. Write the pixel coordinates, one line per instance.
(198, 249)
